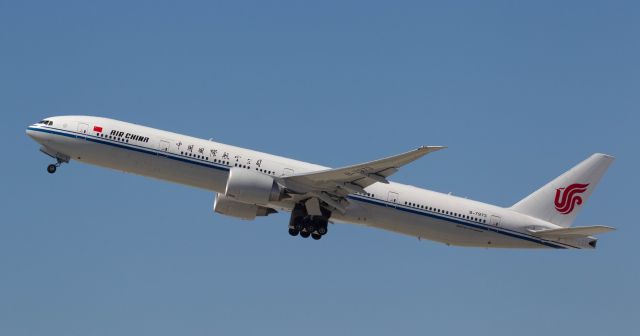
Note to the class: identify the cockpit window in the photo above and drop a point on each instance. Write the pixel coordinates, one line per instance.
(45, 122)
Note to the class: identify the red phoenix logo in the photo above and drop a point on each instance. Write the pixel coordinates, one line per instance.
(567, 198)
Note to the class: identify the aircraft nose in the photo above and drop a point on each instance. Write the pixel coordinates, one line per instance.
(33, 134)
(30, 133)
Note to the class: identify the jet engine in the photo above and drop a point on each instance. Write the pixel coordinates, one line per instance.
(229, 207)
(251, 187)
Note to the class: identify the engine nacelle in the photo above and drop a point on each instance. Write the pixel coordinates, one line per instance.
(251, 187)
(229, 207)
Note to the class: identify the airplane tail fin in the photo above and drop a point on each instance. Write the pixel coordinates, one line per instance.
(559, 201)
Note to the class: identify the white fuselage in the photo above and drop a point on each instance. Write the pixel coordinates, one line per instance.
(205, 164)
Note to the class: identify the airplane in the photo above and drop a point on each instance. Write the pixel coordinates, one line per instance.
(248, 184)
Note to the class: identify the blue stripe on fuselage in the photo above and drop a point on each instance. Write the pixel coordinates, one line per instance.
(503, 231)
(140, 149)
(132, 147)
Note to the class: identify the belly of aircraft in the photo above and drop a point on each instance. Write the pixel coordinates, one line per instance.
(430, 228)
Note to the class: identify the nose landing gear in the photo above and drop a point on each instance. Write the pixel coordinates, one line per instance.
(59, 157)
(54, 166)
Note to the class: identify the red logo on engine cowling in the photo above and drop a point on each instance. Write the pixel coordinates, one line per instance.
(567, 198)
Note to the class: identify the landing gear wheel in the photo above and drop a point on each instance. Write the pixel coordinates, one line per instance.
(322, 230)
(304, 234)
(310, 227)
(293, 232)
(316, 236)
(51, 168)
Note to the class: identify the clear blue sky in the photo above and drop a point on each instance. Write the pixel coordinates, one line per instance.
(519, 92)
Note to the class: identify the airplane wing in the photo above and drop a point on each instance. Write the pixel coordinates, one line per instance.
(573, 232)
(332, 185)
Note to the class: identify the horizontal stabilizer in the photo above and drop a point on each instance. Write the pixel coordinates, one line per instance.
(574, 232)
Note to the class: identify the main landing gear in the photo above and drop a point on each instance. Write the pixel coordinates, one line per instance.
(307, 225)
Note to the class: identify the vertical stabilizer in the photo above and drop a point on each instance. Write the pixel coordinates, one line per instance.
(560, 200)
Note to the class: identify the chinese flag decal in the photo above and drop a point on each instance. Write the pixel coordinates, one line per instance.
(97, 129)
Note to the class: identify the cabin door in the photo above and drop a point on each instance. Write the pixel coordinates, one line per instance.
(393, 198)
(83, 129)
(287, 172)
(164, 146)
